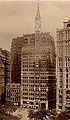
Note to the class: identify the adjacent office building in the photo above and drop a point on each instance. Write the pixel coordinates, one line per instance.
(4, 72)
(63, 67)
(13, 93)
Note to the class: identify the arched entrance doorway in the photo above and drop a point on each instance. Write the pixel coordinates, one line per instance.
(43, 105)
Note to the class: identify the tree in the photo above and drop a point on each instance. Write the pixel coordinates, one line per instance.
(9, 107)
(31, 114)
(65, 115)
(6, 111)
(39, 115)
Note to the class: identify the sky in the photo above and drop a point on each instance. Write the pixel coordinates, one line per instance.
(18, 18)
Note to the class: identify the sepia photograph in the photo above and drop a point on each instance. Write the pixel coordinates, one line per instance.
(34, 60)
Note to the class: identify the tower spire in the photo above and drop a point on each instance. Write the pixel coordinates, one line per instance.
(38, 17)
(38, 22)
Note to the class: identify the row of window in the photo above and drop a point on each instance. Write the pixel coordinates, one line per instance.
(32, 89)
(36, 85)
(24, 93)
(35, 81)
(32, 98)
(30, 63)
(15, 99)
(28, 69)
(17, 91)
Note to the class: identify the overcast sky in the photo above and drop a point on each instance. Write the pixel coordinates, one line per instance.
(17, 18)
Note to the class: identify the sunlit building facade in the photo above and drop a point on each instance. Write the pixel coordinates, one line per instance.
(38, 69)
(63, 67)
(33, 66)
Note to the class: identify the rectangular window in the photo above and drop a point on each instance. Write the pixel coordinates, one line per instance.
(66, 80)
(66, 69)
(66, 75)
(66, 85)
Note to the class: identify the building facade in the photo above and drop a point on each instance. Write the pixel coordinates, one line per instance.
(38, 69)
(13, 93)
(63, 67)
(4, 72)
(33, 66)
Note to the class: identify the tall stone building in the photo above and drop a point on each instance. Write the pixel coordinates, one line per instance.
(4, 72)
(63, 67)
(38, 69)
(33, 65)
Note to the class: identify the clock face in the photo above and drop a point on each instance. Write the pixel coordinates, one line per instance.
(38, 22)
(38, 25)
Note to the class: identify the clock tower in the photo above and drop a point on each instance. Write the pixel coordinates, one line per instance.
(38, 30)
(38, 22)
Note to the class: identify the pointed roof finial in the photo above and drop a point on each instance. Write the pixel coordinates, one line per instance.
(38, 17)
